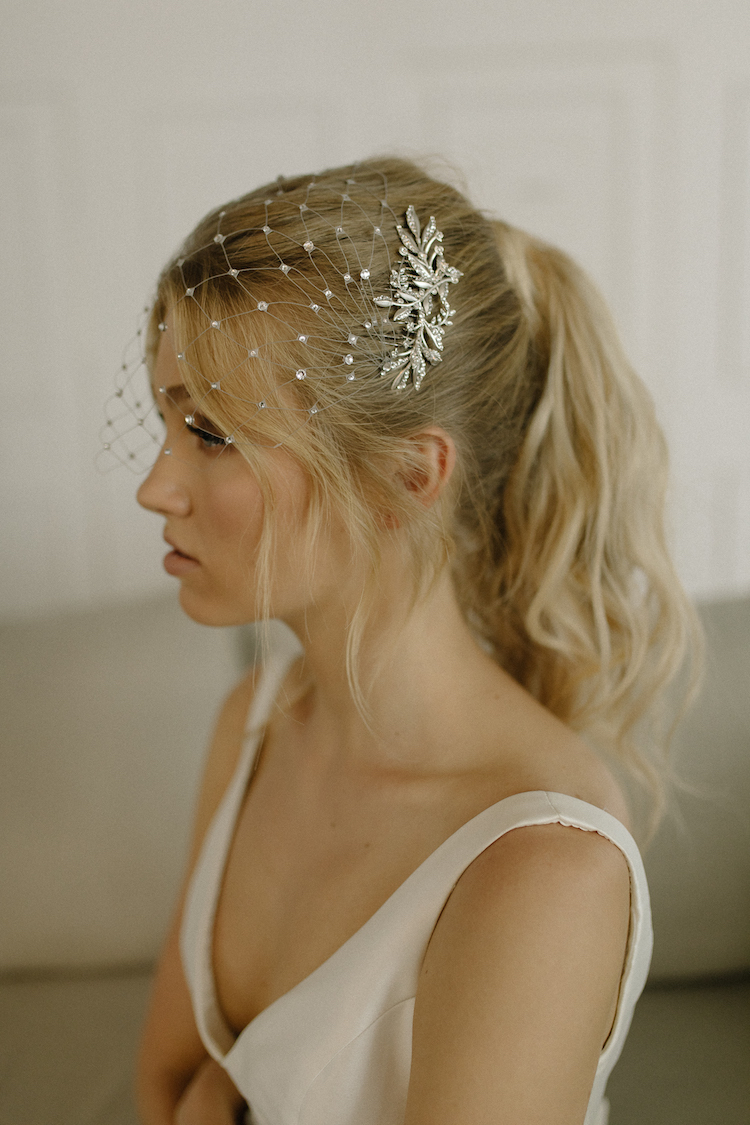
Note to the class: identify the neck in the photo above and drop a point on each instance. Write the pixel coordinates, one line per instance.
(419, 669)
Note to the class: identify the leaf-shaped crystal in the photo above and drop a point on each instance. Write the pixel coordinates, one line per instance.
(419, 289)
(413, 221)
(407, 240)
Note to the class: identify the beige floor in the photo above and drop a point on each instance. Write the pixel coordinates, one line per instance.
(67, 1046)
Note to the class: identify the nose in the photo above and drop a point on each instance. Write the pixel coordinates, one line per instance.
(164, 490)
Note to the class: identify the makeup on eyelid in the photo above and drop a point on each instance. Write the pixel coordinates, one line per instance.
(195, 422)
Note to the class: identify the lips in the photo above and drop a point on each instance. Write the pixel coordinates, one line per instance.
(177, 562)
(178, 550)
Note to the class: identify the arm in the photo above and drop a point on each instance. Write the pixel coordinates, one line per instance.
(171, 1051)
(519, 985)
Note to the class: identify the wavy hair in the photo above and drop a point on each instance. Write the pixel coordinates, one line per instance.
(554, 522)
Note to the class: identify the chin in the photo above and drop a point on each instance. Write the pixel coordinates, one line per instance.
(208, 612)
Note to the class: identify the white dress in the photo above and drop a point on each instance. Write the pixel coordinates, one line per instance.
(336, 1048)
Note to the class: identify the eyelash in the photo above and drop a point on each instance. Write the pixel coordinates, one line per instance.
(209, 440)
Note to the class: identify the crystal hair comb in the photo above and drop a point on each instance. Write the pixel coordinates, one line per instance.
(417, 287)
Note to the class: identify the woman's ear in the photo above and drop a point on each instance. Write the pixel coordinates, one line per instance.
(427, 472)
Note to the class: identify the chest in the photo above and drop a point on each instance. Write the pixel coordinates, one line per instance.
(307, 866)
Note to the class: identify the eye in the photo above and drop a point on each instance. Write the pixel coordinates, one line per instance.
(199, 426)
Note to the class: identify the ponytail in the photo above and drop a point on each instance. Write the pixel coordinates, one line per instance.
(583, 604)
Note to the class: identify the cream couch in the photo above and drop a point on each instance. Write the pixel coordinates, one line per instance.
(105, 720)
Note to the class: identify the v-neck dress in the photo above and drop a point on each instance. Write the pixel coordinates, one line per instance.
(336, 1048)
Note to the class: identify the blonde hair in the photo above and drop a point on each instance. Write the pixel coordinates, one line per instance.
(554, 523)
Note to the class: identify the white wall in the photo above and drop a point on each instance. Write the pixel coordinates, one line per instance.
(618, 128)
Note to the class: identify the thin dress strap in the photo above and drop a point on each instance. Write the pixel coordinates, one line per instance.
(200, 905)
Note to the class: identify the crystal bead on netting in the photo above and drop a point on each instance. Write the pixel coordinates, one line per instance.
(347, 278)
(351, 181)
(261, 405)
(253, 353)
(309, 246)
(327, 293)
(339, 230)
(314, 307)
(302, 338)
(229, 440)
(301, 374)
(284, 267)
(189, 420)
(219, 238)
(180, 355)
(350, 377)
(234, 273)
(364, 274)
(189, 292)
(368, 324)
(352, 338)
(313, 410)
(180, 263)
(162, 327)
(167, 452)
(162, 390)
(216, 386)
(266, 229)
(345, 198)
(303, 207)
(216, 324)
(376, 230)
(349, 358)
(262, 306)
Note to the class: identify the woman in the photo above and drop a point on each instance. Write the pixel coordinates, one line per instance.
(411, 435)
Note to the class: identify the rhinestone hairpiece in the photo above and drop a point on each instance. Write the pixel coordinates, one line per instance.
(398, 343)
(419, 283)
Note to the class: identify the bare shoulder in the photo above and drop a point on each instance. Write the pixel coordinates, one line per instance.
(541, 752)
(519, 984)
(555, 882)
(590, 779)
(549, 864)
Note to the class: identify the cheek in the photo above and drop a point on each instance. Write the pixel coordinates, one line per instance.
(236, 518)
